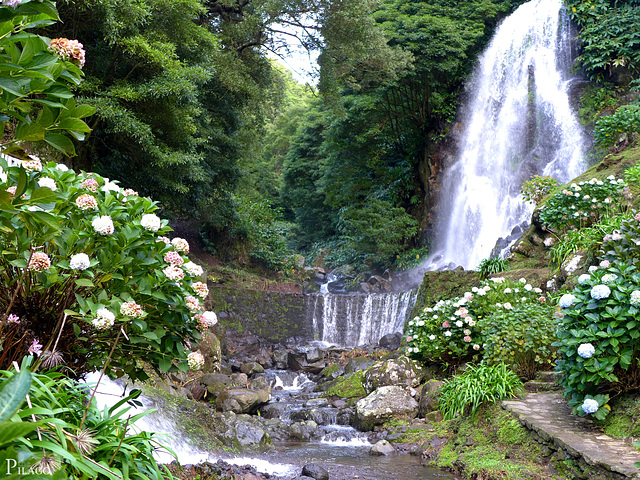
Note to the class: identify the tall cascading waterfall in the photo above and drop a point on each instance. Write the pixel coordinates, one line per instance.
(358, 319)
(518, 123)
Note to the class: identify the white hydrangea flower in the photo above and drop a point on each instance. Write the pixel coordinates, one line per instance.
(151, 222)
(104, 319)
(62, 167)
(180, 244)
(110, 186)
(635, 298)
(47, 182)
(80, 261)
(103, 225)
(173, 273)
(195, 360)
(586, 350)
(210, 318)
(193, 269)
(584, 278)
(590, 406)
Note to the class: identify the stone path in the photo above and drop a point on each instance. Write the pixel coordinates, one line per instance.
(549, 418)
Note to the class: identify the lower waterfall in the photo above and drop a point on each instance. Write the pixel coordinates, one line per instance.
(358, 319)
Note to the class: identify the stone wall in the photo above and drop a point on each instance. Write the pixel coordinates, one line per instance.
(271, 315)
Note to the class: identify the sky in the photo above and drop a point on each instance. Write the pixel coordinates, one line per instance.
(298, 61)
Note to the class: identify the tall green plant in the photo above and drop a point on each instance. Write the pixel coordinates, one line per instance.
(36, 77)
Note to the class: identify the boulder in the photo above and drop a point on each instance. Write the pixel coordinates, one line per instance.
(247, 345)
(382, 447)
(402, 372)
(248, 401)
(211, 350)
(251, 368)
(429, 397)
(242, 432)
(315, 471)
(259, 383)
(356, 364)
(197, 392)
(303, 430)
(280, 359)
(318, 416)
(385, 403)
(209, 379)
(273, 410)
(306, 359)
(391, 341)
(239, 379)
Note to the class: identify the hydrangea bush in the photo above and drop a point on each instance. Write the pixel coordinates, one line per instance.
(537, 187)
(598, 337)
(87, 267)
(581, 204)
(451, 330)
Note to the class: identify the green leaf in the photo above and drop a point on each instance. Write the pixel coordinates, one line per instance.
(61, 143)
(164, 365)
(10, 431)
(13, 393)
(84, 282)
(43, 195)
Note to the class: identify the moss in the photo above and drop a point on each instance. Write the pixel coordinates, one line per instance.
(330, 370)
(349, 386)
(443, 285)
(624, 419)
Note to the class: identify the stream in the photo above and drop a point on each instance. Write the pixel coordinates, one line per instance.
(340, 449)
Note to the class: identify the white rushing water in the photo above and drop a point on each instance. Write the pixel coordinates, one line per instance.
(359, 319)
(109, 393)
(518, 122)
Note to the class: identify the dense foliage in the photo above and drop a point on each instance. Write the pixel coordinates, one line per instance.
(86, 273)
(610, 36)
(60, 436)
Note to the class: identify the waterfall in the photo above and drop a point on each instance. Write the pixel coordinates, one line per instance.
(358, 319)
(517, 123)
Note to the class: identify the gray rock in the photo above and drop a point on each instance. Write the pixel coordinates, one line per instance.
(382, 447)
(248, 400)
(429, 397)
(385, 403)
(303, 430)
(251, 368)
(239, 379)
(316, 415)
(308, 360)
(315, 471)
(259, 383)
(211, 350)
(357, 364)
(402, 372)
(209, 379)
(280, 359)
(273, 410)
(391, 341)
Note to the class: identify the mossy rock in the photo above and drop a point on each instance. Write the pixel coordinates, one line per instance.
(347, 386)
(438, 286)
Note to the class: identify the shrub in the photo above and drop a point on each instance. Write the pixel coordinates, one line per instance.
(521, 338)
(36, 103)
(489, 266)
(478, 384)
(536, 188)
(411, 259)
(586, 239)
(581, 204)
(626, 120)
(623, 245)
(86, 270)
(598, 338)
(450, 332)
(70, 437)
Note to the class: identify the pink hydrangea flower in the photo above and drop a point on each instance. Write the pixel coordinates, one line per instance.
(86, 202)
(446, 324)
(39, 262)
(90, 184)
(68, 50)
(173, 258)
(467, 338)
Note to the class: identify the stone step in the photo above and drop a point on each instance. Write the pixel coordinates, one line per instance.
(548, 376)
(569, 437)
(537, 386)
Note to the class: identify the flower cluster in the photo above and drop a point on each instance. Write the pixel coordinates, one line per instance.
(91, 184)
(104, 319)
(39, 262)
(86, 202)
(195, 360)
(80, 261)
(193, 269)
(173, 258)
(581, 203)
(566, 300)
(103, 225)
(193, 304)
(151, 222)
(590, 406)
(600, 292)
(32, 165)
(12, 318)
(68, 50)
(173, 273)
(201, 289)
(47, 182)
(180, 244)
(132, 310)
(586, 350)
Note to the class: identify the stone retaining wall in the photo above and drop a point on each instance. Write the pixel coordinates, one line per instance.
(272, 315)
